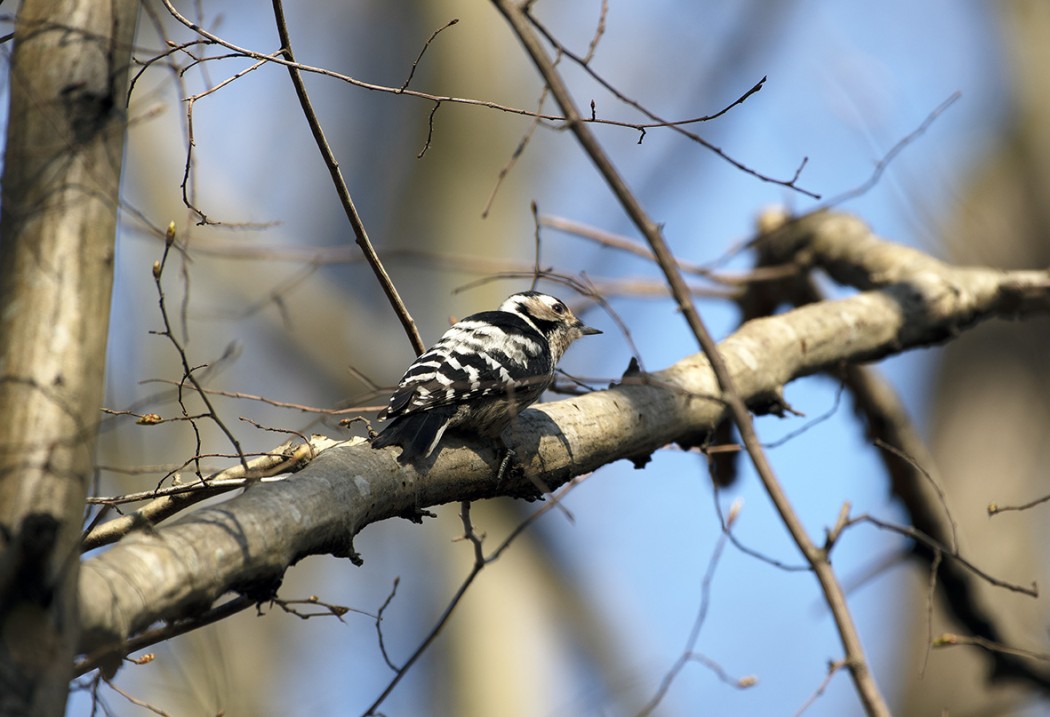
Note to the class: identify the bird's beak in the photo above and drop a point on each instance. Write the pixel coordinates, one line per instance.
(587, 330)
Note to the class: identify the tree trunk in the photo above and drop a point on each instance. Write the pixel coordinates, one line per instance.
(68, 85)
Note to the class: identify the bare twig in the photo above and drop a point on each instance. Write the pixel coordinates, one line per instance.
(625, 244)
(867, 689)
(516, 154)
(931, 593)
(918, 536)
(379, 625)
(909, 464)
(614, 241)
(996, 509)
(887, 159)
(246, 53)
(480, 562)
(165, 502)
(356, 223)
(327, 609)
(422, 51)
(304, 408)
(689, 651)
(951, 640)
(935, 483)
(599, 31)
(748, 550)
(135, 701)
(104, 657)
(677, 126)
(188, 183)
(188, 372)
(833, 667)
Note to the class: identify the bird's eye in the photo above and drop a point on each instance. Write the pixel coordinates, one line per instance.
(559, 308)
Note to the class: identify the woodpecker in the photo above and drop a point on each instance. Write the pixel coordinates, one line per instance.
(482, 373)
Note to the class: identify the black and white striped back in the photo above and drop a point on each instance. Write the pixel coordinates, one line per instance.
(482, 372)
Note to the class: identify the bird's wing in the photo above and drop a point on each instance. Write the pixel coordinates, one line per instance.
(484, 354)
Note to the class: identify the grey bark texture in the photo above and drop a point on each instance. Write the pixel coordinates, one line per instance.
(245, 544)
(68, 83)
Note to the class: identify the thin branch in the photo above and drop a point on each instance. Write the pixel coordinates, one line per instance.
(599, 31)
(867, 689)
(327, 609)
(430, 130)
(480, 562)
(931, 593)
(951, 640)
(746, 549)
(615, 241)
(920, 537)
(516, 154)
(188, 185)
(426, 45)
(341, 188)
(912, 471)
(379, 625)
(887, 159)
(105, 655)
(630, 246)
(439, 99)
(166, 502)
(677, 126)
(833, 667)
(188, 372)
(934, 482)
(689, 650)
(134, 700)
(996, 509)
(810, 424)
(209, 487)
(304, 408)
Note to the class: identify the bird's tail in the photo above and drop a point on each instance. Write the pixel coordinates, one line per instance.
(417, 433)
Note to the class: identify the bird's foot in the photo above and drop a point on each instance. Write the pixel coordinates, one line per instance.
(504, 465)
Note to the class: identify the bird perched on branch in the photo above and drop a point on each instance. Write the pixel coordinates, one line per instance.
(481, 374)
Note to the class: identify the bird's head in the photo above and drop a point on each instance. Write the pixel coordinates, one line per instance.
(551, 317)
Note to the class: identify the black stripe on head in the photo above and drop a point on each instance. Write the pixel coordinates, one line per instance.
(506, 321)
(544, 326)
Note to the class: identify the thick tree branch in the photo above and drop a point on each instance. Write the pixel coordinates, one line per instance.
(913, 474)
(246, 544)
(63, 152)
